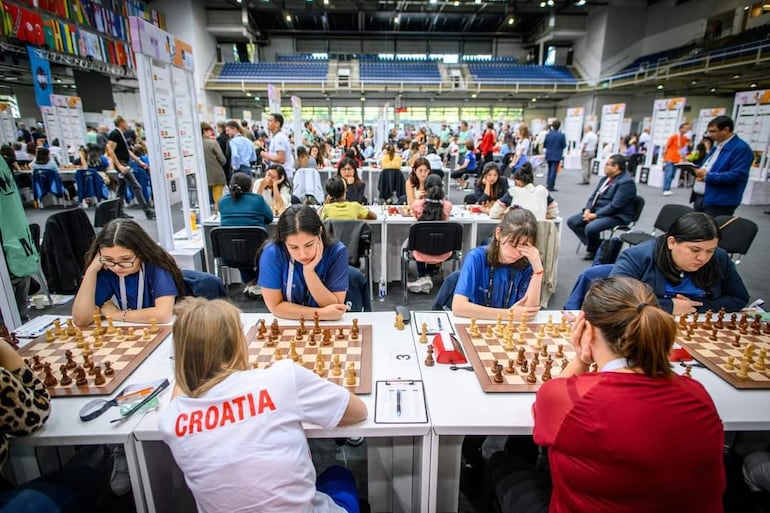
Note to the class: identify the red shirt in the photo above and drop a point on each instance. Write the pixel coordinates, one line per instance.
(487, 142)
(626, 443)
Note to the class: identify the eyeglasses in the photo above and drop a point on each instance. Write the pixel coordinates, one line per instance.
(121, 265)
(347, 168)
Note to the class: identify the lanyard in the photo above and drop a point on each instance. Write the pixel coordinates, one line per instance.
(290, 286)
(490, 288)
(139, 293)
(618, 363)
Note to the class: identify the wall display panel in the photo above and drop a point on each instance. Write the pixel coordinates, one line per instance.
(701, 124)
(72, 123)
(610, 128)
(751, 113)
(7, 125)
(573, 127)
(667, 115)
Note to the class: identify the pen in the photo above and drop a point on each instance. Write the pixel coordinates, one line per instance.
(438, 320)
(398, 402)
(144, 401)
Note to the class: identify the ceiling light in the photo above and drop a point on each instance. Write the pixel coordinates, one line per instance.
(288, 17)
(457, 3)
(396, 20)
(550, 3)
(753, 85)
(542, 4)
(473, 95)
(326, 2)
(736, 76)
(510, 20)
(534, 100)
(746, 8)
(248, 94)
(433, 1)
(363, 99)
(580, 3)
(477, 1)
(713, 89)
(693, 82)
(239, 1)
(660, 86)
(58, 80)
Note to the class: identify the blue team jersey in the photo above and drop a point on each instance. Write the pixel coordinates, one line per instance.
(157, 283)
(508, 283)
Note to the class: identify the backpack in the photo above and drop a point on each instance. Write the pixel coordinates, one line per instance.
(608, 251)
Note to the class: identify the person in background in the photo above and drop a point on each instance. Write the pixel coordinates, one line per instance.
(128, 277)
(698, 157)
(725, 172)
(307, 179)
(102, 136)
(58, 153)
(244, 208)
(674, 151)
(22, 156)
(275, 188)
(587, 152)
(520, 154)
(263, 458)
(43, 161)
(315, 160)
(224, 144)
(22, 134)
(338, 207)
(279, 150)
(467, 168)
(664, 424)
(490, 186)
(356, 188)
(525, 194)
(91, 135)
(431, 207)
(10, 158)
(555, 143)
(686, 268)
(644, 139)
(247, 132)
(487, 144)
(214, 160)
(415, 182)
(121, 154)
(391, 159)
(242, 152)
(505, 276)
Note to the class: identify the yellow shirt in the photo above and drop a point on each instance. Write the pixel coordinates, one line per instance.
(344, 210)
(386, 163)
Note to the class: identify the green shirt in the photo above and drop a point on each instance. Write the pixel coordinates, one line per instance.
(344, 210)
(18, 246)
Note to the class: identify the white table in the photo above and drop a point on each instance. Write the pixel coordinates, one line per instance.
(398, 454)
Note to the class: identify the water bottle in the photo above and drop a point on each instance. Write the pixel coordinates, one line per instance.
(382, 290)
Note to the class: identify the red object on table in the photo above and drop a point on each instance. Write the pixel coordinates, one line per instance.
(447, 353)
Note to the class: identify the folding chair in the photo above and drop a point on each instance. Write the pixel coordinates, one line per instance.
(666, 217)
(737, 235)
(432, 238)
(236, 247)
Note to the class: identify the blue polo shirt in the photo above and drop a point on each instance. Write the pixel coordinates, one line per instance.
(509, 284)
(274, 272)
(157, 283)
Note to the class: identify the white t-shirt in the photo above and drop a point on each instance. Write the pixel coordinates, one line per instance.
(590, 141)
(522, 147)
(242, 446)
(280, 142)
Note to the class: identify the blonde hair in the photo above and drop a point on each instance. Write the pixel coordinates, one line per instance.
(209, 344)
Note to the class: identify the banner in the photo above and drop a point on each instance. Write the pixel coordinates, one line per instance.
(41, 77)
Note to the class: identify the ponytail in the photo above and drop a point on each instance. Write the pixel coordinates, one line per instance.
(434, 195)
(240, 183)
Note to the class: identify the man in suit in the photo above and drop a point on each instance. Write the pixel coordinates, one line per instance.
(610, 205)
(725, 171)
(554, 144)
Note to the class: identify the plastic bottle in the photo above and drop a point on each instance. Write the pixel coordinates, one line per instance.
(193, 220)
(382, 291)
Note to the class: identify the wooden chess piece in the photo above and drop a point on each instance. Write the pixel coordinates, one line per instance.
(737, 341)
(733, 325)
(508, 342)
(688, 371)
(766, 329)
(688, 334)
(549, 324)
(531, 378)
(713, 335)
(756, 325)
(720, 324)
(70, 328)
(66, 380)
(98, 341)
(730, 365)
(498, 377)
(36, 363)
(523, 323)
(547, 372)
(399, 324)
(311, 339)
(57, 327)
(277, 354)
(522, 356)
(340, 334)
(319, 368)
(707, 321)
(131, 335)
(336, 365)
(350, 375)
(316, 323)
(302, 329)
(760, 363)
(108, 370)
(146, 334)
(559, 351)
(154, 325)
(49, 380)
(80, 377)
(70, 361)
(489, 333)
(510, 369)
(298, 334)
(354, 331)
(743, 372)
(49, 336)
(99, 378)
(319, 359)
(110, 326)
(424, 333)
(293, 354)
(524, 367)
(429, 361)
(544, 351)
(327, 339)
(274, 329)
(495, 365)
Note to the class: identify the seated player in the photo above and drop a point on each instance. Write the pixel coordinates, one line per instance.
(610, 205)
(415, 182)
(128, 276)
(504, 276)
(467, 168)
(255, 457)
(302, 271)
(525, 194)
(338, 207)
(275, 187)
(686, 269)
(355, 187)
(490, 186)
(615, 435)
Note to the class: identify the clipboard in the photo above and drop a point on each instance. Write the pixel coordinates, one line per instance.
(436, 322)
(400, 401)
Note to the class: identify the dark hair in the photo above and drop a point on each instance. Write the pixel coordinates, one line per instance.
(233, 124)
(55, 142)
(7, 152)
(94, 155)
(42, 155)
(433, 209)
(139, 150)
(618, 160)
(500, 186)
(422, 161)
(556, 124)
(278, 117)
(626, 312)
(205, 127)
(281, 174)
(524, 131)
(469, 145)
(524, 174)
(349, 162)
(128, 234)
(244, 123)
(240, 183)
(722, 122)
(691, 227)
(296, 219)
(391, 151)
(335, 187)
(302, 151)
(518, 224)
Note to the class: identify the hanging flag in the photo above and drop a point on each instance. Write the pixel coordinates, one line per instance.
(41, 77)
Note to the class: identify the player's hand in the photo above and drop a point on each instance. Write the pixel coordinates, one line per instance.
(533, 255)
(144, 166)
(586, 213)
(124, 170)
(684, 305)
(333, 312)
(109, 308)
(95, 266)
(581, 347)
(319, 245)
(520, 308)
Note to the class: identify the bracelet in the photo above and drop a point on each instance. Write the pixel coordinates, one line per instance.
(541, 271)
(123, 318)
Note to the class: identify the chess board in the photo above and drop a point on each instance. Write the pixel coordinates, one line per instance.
(123, 354)
(484, 349)
(358, 352)
(714, 353)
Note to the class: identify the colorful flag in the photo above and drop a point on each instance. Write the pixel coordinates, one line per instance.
(41, 77)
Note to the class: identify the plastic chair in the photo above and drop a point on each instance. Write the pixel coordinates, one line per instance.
(90, 185)
(356, 235)
(106, 211)
(432, 238)
(236, 246)
(737, 236)
(34, 230)
(391, 181)
(46, 181)
(666, 217)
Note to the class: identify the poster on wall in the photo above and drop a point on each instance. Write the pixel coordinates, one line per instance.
(72, 122)
(274, 98)
(751, 113)
(220, 114)
(7, 125)
(701, 124)
(184, 119)
(51, 123)
(573, 127)
(610, 128)
(667, 115)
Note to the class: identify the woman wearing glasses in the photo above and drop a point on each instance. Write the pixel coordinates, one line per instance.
(356, 188)
(128, 276)
(504, 276)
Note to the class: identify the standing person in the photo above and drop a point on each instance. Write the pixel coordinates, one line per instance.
(214, 160)
(262, 456)
(644, 140)
(555, 143)
(487, 144)
(247, 132)
(505, 276)
(610, 205)
(725, 171)
(465, 135)
(224, 145)
(588, 152)
(244, 208)
(279, 149)
(22, 134)
(519, 155)
(242, 152)
(698, 157)
(662, 424)
(128, 276)
(120, 154)
(675, 151)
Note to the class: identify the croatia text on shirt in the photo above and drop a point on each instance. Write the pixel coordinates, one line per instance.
(215, 416)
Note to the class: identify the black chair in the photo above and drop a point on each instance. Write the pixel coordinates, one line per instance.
(236, 246)
(34, 230)
(737, 235)
(66, 240)
(357, 237)
(638, 208)
(431, 238)
(666, 217)
(391, 182)
(106, 211)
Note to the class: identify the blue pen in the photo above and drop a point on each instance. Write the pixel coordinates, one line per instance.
(438, 320)
(398, 402)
